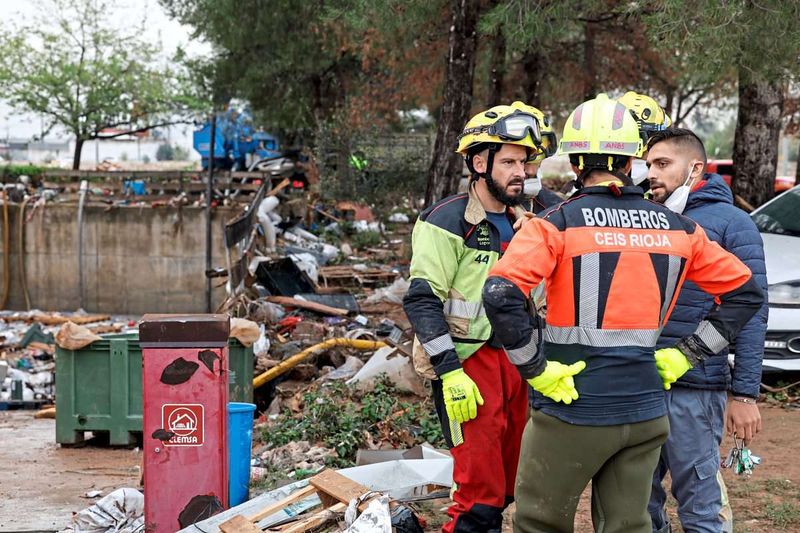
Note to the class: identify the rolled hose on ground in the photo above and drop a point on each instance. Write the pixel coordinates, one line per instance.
(291, 362)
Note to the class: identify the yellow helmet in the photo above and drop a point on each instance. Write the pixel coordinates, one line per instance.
(597, 131)
(502, 124)
(549, 142)
(650, 117)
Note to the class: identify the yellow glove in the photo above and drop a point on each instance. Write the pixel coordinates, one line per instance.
(556, 381)
(671, 365)
(461, 396)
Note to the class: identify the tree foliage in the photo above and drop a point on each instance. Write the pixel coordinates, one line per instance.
(754, 42)
(347, 66)
(71, 66)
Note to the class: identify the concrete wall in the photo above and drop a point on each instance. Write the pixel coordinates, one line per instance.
(136, 260)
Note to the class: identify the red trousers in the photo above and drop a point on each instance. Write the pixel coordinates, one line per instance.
(485, 464)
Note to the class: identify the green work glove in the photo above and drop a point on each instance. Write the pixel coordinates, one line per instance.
(461, 396)
(671, 365)
(556, 381)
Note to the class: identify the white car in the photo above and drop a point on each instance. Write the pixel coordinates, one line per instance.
(779, 223)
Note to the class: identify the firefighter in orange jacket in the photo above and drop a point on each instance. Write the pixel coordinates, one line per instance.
(613, 264)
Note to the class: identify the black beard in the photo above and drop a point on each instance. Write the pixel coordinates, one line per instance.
(500, 195)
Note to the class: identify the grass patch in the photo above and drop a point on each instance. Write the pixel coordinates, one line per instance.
(346, 419)
(783, 514)
(365, 239)
(778, 487)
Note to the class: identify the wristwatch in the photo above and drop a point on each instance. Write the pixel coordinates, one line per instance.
(744, 399)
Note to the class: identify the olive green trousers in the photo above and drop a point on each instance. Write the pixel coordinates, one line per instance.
(558, 460)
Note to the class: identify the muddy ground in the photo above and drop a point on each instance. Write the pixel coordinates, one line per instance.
(42, 484)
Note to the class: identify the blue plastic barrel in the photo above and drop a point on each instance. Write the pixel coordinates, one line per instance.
(240, 443)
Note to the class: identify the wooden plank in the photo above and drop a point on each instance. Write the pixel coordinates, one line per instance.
(275, 190)
(238, 524)
(310, 306)
(316, 520)
(336, 487)
(277, 506)
(56, 319)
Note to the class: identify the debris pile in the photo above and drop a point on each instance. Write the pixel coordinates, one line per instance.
(27, 351)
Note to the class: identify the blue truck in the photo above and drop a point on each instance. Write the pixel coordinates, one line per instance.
(238, 144)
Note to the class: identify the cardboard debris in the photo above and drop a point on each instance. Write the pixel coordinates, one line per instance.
(71, 336)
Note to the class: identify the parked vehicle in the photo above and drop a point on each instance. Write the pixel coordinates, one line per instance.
(237, 144)
(779, 223)
(724, 167)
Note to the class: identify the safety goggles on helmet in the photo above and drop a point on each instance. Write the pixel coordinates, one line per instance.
(513, 127)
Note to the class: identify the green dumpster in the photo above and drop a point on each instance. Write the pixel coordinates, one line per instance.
(99, 387)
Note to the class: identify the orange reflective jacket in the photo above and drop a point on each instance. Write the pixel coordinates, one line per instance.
(613, 264)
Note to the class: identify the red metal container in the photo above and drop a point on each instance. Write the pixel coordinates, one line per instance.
(185, 381)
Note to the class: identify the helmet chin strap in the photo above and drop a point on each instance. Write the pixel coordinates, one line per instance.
(493, 149)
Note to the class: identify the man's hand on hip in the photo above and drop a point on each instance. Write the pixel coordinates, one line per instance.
(743, 419)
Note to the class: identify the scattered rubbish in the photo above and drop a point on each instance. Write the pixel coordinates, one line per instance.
(343, 301)
(351, 276)
(310, 306)
(121, 511)
(36, 335)
(400, 218)
(375, 519)
(290, 362)
(296, 455)
(307, 263)
(284, 278)
(262, 344)
(392, 294)
(47, 412)
(397, 367)
(93, 494)
(253, 507)
(349, 369)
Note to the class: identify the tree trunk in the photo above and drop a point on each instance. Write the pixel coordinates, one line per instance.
(497, 69)
(755, 144)
(445, 169)
(589, 67)
(76, 157)
(797, 170)
(533, 65)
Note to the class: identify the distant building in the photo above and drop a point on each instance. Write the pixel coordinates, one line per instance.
(34, 151)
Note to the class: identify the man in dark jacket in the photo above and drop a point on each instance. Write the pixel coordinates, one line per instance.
(697, 402)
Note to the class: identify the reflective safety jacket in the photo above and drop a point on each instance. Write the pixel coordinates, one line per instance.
(454, 246)
(613, 263)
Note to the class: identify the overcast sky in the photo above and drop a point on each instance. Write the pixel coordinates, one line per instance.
(160, 27)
